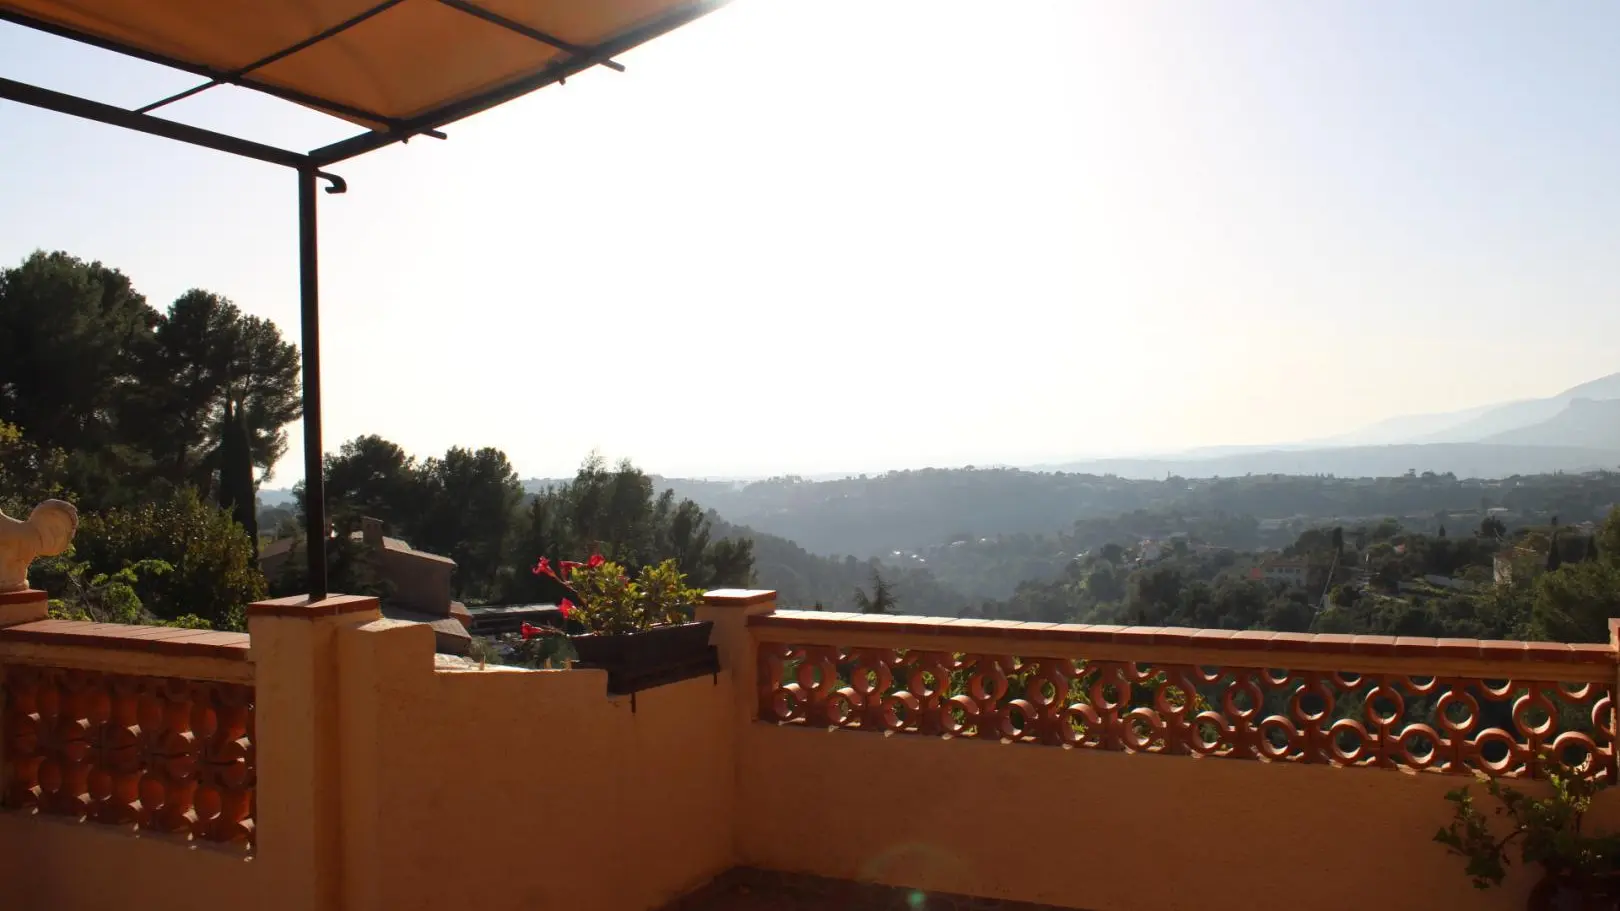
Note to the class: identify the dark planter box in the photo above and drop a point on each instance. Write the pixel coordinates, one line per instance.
(1554, 893)
(654, 657)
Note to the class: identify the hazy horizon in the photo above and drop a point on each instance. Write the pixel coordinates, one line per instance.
(1157, 228)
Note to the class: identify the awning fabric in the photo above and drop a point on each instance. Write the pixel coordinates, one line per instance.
(404, 61)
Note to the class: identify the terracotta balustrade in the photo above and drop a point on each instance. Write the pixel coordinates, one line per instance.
(161, 754)
(1448, 705)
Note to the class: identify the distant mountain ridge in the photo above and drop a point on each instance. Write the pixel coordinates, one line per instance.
(1582, 422)
(1493, 423)
(1576, 430)
(1465, 460)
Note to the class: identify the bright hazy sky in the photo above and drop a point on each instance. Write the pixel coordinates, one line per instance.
(820, 236)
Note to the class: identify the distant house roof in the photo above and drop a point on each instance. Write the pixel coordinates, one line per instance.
(397, 545)
(277, 547)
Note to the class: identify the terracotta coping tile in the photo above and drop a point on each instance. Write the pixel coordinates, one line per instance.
(824, 625)
(1141, 635)
(158, 632)
(1178, 636)
(1373, 645)
(1032, 626)
(1074, 632)
(187, 634)
(785, 618)
(23, 596)
(738, 597)
(1291, 642)
(110, 630)
(1415, 645)
(45, 625)
(999, 628)
(1592, 653)
(1457, 648)
(299, 606)
(1548, 651)
(1504, 649)
(1214, 638)
(161, 640)
(220, 639)
(1331, 642)
(924, 626)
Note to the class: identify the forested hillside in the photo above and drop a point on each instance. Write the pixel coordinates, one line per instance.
(911, 510)
(803, 579)
(1381, 579)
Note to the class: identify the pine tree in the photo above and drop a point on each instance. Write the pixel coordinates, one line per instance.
(236, 491)
(882, 599)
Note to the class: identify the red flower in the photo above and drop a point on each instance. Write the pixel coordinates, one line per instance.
(543, 568)
(595, 561)
(529, 631)
(568, 566)
(567, 607)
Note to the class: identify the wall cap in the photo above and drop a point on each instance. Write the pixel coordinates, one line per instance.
(23, 606)
(23, 596)
(159, 640)
(832, 624)
(738, 597)
(300, 607)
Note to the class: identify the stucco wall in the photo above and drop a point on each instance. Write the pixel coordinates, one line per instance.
(62, 864)
(1100, 830)
(501, 789)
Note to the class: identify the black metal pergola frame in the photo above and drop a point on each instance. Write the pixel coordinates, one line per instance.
(311, 166)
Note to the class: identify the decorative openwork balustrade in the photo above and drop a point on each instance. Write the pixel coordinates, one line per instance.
(164, 755)
(1449, 705)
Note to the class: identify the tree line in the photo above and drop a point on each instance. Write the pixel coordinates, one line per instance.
(470, 506)
(155, 423)
(1561, 586)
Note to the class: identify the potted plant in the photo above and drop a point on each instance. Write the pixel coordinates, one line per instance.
(638, 630)
(1580, 872)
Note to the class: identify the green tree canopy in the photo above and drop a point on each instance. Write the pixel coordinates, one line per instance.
(213, 573)
(205, 358)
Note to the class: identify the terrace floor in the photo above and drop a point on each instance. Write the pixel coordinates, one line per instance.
(745, 889)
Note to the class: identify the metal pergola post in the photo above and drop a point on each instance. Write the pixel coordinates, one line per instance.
(309, 321)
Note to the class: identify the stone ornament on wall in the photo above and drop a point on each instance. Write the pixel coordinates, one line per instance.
(47, 532)
(151, 753)
(1456, 725)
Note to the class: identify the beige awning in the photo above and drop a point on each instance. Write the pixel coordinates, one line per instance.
(386, 64)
